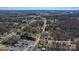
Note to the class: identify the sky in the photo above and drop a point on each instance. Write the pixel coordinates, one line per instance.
(39, 8)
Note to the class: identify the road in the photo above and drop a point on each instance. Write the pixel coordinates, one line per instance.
(38, 37)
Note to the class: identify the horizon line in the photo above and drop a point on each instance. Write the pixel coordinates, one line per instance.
(39, 8)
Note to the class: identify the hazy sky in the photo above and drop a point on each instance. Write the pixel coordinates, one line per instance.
(39, 8)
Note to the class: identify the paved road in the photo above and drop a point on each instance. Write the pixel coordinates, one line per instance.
(38, 37)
